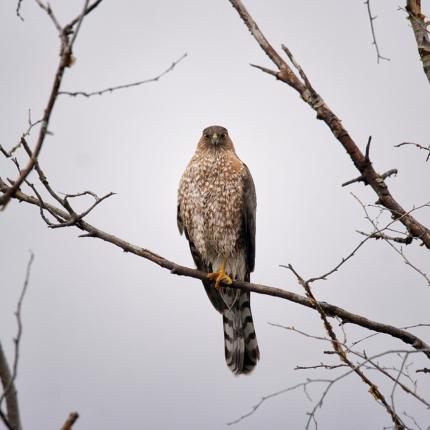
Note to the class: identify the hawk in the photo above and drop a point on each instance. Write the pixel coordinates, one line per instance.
(216, 210)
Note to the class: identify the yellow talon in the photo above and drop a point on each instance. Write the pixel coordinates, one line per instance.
(220, 276)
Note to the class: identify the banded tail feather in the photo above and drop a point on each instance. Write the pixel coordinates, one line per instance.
(240, 341)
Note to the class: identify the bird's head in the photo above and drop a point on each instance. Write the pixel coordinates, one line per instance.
(215, 136)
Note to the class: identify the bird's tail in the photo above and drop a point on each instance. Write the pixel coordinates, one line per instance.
(240, 342)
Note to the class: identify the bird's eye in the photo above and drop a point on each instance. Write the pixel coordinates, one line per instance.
(207, 136)
(223, 135)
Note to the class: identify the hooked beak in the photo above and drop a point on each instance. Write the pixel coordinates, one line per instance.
(215, 139)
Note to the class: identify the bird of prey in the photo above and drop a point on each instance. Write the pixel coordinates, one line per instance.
(216, 210)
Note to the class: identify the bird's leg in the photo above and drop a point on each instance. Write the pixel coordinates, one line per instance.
(220, 275)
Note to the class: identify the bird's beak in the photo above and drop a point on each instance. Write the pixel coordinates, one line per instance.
(215, 139)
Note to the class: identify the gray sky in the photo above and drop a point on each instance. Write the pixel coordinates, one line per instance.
(124, 342)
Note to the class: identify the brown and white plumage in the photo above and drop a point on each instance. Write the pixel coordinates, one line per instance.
(216, 210)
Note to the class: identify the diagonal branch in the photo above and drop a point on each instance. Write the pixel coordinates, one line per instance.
(419, 25)
(329, 309)
(71, 419)
(315, 101)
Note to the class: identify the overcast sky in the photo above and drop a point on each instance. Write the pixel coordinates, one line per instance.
(127, 344)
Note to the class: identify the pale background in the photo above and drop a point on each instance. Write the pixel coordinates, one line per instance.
(129, 345)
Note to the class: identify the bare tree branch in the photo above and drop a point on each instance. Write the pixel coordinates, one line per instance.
(71, 419)
(303, 385)
(330, 310)
(18, 10)
(120, 87)
(66, 60)
(366, 362)
(426, 148)
(414, 421)
(370, 360)
(372, 27)
(406, 240)
(419, 24)
(397, 380)
(361, 178)
(342, 352)
(398, 251)
(329, 384)
(377, 234)
(315, 101)
(7, 378)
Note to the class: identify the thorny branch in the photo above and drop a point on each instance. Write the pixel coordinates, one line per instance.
(372, 27)
(120, 87)
(65, 61)
(12, 418)
(302, 85)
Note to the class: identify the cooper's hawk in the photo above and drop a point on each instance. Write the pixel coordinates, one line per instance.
(216, 210)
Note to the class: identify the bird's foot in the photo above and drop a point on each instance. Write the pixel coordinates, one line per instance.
(220, 276)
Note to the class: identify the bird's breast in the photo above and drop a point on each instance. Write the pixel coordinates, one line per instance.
(212, 208)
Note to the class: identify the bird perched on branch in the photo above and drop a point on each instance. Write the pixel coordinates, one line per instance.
(216, 210)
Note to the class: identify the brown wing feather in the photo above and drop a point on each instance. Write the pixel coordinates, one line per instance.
(248, 224)
(213, 294)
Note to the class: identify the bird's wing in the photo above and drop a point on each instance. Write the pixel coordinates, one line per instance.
(248, 221)
(179, 220)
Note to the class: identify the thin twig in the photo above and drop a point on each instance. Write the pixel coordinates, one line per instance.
(79, 23)
(397, 380)
(120, 87)
(425, 148)
(329, 382)
(398, 251)
(278, 393)
(8, 378)
(414, 421)
(18, 10)
(375, 43)
(342, 354)
(17, 339)
(341, 263)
